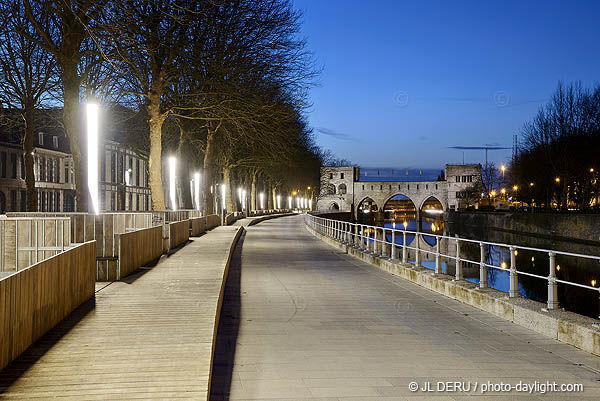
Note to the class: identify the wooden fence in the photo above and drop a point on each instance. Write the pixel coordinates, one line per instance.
(25, 241)
(35, 299)
(179, 233)
(137, 248)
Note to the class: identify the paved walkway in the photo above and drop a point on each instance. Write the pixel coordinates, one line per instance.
(148, 337)
(303, 321)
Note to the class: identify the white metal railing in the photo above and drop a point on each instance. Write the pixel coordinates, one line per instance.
(374, 239)
(28, 240)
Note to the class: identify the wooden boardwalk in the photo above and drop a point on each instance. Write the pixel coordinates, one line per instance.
(149, 336)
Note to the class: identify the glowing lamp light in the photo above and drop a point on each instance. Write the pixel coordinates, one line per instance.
(172, 194)
(310, 204)
(244, 199)
(516, 187)
(197, 190)
(278, 201)
(557, 179)
(290, 202)
(223, 189)
(593, 283)
(262, 200)
(557, 268)
(516, 252)
(405, 224)
(93, 122)
(503, 265)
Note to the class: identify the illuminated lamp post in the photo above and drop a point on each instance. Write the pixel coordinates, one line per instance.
(93, 122)
(278, 201)
(262, 200)
(172, 193)
(197, 189)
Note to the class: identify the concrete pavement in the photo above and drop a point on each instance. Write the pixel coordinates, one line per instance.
(302, 320)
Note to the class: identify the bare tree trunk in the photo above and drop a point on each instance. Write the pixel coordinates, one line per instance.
(209, 171)
(71, 111)
(269, 204)
(228, 189)
(28, 157)
(155, 121)
(184, 170)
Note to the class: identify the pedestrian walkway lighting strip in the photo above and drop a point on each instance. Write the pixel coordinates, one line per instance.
(223, 192)
(374, 239)
(197, 189)
(93, 122)
(172, 193)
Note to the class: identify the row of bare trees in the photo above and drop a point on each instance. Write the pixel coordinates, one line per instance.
(559, 161)
(220, 83)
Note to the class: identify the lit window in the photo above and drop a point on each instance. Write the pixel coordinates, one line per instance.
(55, 142)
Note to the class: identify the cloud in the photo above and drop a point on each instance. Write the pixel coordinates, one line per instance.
(336, 135)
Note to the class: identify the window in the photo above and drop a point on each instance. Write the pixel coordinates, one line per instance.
(113, 168)
(41, 138)
(55, 142)
(331, 176)
(50, 172)
(42, 163)
(112, 201)
(3, 164)
(342, 176)
(417, 187)
(342, 189)
(137, 174)
(457, 178)
(13, 164)
(363, 187)
(381, 187)
(66, 175)
(408, 187)
(13, 200)
(22, 167)
(426, 186)
(23, 199)
(121, 167)
(436, 186)
(68, 203)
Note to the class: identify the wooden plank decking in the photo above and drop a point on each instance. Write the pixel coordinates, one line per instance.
(149, 336)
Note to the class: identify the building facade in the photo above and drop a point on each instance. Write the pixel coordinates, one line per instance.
(52, 170)
(123, 178)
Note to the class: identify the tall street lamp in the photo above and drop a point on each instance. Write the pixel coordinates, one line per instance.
(93, 122)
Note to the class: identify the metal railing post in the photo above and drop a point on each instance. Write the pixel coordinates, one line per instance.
(459, 272)
(514, 284)
(438, 267)
(393, 249)
(383, 243)
(552, 286)
(483, 283)
(404, 249)
(418, 251)
(374, 240)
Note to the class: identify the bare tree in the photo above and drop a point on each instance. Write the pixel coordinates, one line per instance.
(68, 35)
(27, 75)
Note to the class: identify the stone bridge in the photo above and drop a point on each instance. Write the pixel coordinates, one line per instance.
(343, 189)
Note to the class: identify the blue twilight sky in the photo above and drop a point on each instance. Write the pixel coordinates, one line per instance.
(403, 80)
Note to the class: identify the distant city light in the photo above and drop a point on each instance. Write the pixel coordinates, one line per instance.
(433, 211)
(93, 122)
(172, 193)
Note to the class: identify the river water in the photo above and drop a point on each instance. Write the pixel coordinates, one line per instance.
(578, 270)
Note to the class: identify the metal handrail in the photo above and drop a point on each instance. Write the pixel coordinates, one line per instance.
(359, 235)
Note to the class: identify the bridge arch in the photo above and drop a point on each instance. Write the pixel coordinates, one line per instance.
(334, 207)
(432, 220)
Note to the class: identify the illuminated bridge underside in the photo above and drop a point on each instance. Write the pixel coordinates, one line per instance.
(315, 323)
